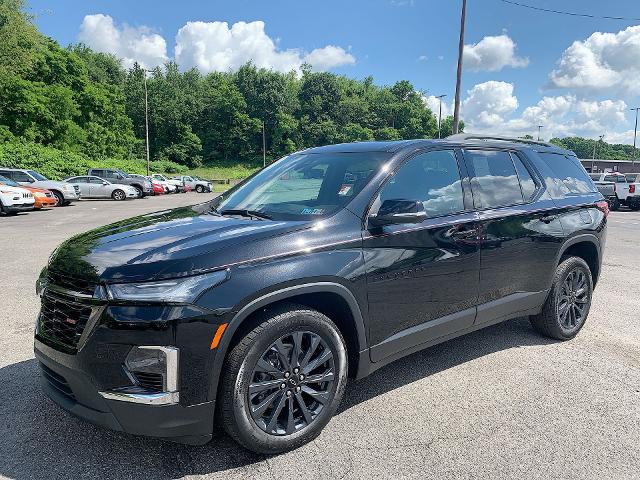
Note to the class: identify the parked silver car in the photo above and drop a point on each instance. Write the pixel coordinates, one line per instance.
(64, 193)
(96, 187)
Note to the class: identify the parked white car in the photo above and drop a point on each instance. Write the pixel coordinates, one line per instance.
(96, 187)
(15, 199)
(627, 187)
(174, 185)
(196, 184)
(64, 192)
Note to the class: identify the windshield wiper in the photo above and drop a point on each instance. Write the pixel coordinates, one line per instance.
(246, 213)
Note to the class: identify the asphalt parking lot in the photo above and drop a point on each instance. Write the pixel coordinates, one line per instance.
(499, 403)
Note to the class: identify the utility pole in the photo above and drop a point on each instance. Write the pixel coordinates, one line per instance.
(456, 108)
(635, 134)
(146, 119)
(264, 147)
(440, 97)
(539, 128)
(595, 143)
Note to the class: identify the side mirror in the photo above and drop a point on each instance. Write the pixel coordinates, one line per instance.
(393, 212)
(105, 183)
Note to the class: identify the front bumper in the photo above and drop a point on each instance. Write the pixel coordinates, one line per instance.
(69, 196)
(65, 380)
(23, 207)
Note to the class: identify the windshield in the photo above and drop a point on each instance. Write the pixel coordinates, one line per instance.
(37, 176)
(304, 185)
(8, 182)
(124, 174)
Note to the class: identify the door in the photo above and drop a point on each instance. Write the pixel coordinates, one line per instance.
(98, 188)
(520, 233)
(422, 279)
(83, 184)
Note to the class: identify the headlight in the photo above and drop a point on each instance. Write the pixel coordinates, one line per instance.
(39, 194)
(68, 188)
(178, 290)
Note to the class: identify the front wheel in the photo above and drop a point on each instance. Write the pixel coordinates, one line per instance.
(118, 195)
(567, 306)
(139, 191)
(199, 188)
(283, 381)
(59, 198)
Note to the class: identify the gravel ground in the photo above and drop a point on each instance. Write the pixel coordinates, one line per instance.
(499, 403)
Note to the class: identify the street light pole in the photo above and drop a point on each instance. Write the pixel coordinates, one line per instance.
(593, 160)
(440, 97)
(539, 127)
(146, 119)
(456, 108)
(635, 134)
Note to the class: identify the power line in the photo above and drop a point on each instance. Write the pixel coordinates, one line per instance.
(573, 14)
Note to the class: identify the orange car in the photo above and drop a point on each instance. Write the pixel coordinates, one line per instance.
(43, 197)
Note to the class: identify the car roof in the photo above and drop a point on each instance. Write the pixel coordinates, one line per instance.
(460, 140)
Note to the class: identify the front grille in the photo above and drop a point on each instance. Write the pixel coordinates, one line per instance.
(76, 188)
(27, 195)
(57, 382)
(150, 381)
(74, 284)
(62, 319)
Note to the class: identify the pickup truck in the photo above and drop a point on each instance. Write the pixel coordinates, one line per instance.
(627, 192)
(196, 184)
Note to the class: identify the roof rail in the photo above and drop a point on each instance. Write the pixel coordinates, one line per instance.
(476, 136)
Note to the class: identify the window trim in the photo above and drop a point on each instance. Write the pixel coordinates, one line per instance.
(462, 173)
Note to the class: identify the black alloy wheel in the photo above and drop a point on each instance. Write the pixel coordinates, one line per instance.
(567, 306)
(573, 298)
(284, 379)
(291, 383)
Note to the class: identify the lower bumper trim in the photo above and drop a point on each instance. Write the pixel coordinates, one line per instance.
(160, 398)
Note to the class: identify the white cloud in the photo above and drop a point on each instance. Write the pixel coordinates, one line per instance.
(488, 103)
(214, 46)
(493, 53)
(131, 44)
(604, 61)
(490, 107)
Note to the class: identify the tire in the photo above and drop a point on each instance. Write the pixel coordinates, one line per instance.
(139, 191)
(634, 206)
(59, 197)
(573, 274)
(262, 434)
(118, 195)
(614, 204)
(199, 189)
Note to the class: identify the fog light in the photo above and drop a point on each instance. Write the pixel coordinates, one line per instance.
(154, 368)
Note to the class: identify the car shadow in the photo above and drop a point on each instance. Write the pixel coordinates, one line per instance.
(40, 440)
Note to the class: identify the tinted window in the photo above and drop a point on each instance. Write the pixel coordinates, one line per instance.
(97, 173)
(96, 180)
(570, 176)
(304, 185)
(526, 181)
(493, 178)
(632, 177)
(37, 176)
(431, 178)
(75, 180)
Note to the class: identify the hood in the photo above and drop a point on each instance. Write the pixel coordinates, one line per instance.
(165, 244)
(14, 190)
(36, 189)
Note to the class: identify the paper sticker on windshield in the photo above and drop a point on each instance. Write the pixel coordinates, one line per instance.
(345, 189)
(312, 211)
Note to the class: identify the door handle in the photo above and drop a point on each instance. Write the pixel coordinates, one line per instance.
(465, 234)
(548, 218)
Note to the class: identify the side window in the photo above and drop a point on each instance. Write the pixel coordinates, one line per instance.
(97, 173)
(526, 181)
(570, 176)
(493, 178)
(22, 177)
(610, 178)
(95, 180)
(431, 178)
(74, 180)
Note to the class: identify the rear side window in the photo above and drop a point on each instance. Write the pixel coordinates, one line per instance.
(493, 178)
(526, 181)
(570, 178)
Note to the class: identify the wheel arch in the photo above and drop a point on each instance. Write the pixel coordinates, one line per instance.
(332, 299)
(587, 247)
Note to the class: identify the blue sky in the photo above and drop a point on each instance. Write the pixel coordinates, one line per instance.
(525, 73)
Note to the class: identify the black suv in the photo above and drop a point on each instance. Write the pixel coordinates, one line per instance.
(254, 308)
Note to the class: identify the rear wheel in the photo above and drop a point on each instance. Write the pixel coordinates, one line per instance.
(283, 381)
(567, 306)
(614, 204)
(118, 195)
(634, 206)
(199, 188)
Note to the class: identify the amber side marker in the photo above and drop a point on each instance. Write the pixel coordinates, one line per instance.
(218, 335)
